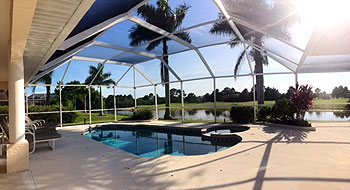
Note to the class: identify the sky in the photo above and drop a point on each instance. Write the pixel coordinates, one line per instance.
(221, 59)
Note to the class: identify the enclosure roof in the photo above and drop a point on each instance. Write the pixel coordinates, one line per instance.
(277, 29)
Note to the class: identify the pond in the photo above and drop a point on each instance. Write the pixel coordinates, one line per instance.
(208, 114)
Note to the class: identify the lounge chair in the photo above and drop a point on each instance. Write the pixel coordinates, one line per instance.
(49, 135)
(5, 135)
(39, 124)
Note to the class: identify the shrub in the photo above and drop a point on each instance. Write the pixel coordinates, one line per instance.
(283, 110)
(48, 117)
(242, 114)
(4, 110)
(302, 100)
(264, 113)
(52, 117)
(142, 115)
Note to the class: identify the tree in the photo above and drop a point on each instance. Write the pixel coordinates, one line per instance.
(175, 95)
(101, 79)
(317, 93)
(341, 92)
(244, 95)
(272, 94)
(191, 98)
(167, 19)
(228, 94)
(75, 96)
(258, 13)
(46, 79)
(206, 98)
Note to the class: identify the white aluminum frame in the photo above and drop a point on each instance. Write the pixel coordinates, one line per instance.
(105, 26)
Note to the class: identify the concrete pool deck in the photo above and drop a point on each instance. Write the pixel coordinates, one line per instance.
(267, 158)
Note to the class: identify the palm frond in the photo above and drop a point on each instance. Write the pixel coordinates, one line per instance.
(239, 61)
(235, 42)
(107, 82)
(146, 11)
(184, 36)
(222, 28)
(180, 14)
(153, 45)
(46, 79)
(139, 34)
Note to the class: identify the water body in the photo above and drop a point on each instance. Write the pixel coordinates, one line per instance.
(208, 114)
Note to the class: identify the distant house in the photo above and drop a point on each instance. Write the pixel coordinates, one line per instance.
(38, 99)
(3, 98)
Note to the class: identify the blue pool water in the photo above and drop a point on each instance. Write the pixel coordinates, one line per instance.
(147, 143)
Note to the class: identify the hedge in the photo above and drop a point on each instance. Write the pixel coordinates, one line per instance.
(242, 114)
(48, 117)
(142, 115)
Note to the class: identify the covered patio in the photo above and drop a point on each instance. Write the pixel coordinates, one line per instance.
(40, 37)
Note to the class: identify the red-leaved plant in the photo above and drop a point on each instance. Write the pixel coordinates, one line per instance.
(302, 100)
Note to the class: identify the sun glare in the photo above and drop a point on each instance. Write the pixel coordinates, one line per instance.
(324, 12)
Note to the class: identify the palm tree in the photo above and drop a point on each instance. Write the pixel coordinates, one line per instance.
(258, 13)
(167, 19)
(46, 79)
(101, 79)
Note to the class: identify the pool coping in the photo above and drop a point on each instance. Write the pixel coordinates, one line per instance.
(291, 127)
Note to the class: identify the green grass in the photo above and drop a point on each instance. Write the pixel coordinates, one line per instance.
(331, 104)
(95, 118)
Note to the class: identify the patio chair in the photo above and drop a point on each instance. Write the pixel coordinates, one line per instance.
(39, 124)
(5, 135)
(49, 135)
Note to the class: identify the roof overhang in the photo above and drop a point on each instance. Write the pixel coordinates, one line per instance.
(53, 21)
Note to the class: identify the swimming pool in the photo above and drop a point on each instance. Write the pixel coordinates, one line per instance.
(150, 142)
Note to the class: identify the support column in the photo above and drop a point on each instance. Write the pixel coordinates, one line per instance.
(296, 78)
(115, 105)
(214, 80)
(182, 103)
(16, 101)
(17, 17)
(135, 99)
(156, 101)
(254, 101)
(17, 150)
(61, 115)
(89, 104)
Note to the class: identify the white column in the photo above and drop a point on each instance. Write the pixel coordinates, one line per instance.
(214, 99)
(135, 99)
(296, 78)
(61, 115)
(182, 103)
(115, 105)
(16, 101)
(90, 104)
(254, 101)
(156, 101)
